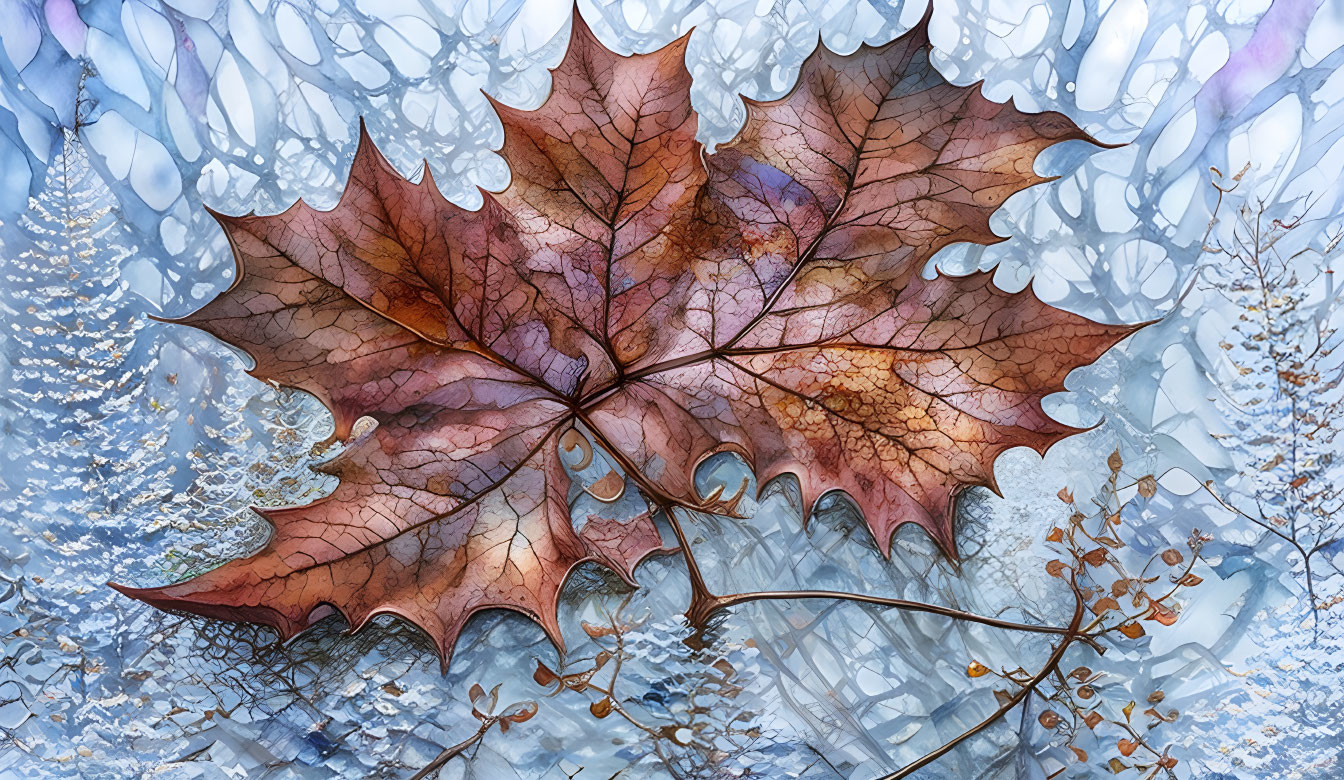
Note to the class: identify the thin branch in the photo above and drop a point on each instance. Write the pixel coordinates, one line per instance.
(448, 753)
(1057, 656)
(723, 602)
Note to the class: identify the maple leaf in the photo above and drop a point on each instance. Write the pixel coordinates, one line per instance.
(630, 289)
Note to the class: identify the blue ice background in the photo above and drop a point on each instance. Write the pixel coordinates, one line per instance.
(132, 448)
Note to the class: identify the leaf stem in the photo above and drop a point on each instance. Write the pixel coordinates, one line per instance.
(703, 601)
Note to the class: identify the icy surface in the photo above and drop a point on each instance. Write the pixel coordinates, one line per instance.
(132, 449)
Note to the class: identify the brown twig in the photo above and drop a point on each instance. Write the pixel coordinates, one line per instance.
(448, 753)
(724, 602)
(1056, 656)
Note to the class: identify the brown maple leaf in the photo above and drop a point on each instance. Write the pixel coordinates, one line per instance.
(628, 288)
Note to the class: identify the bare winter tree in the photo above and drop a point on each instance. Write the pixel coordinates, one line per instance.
(1276, 265)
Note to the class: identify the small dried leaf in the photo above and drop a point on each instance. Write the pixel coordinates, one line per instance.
(1148, 486)
(596, 632)
(1156, 697)
(1119, 587)
(1086, 692)
(1128, 710)
(1095, 557)
(1114, 462)
(1079, 752)
(1056, 535)
(600, 708)
(1172, 557)
(1132, 630)
(476, 695)
(1054, 568)
(1171, 715)
(1105, 605)
(1167, 762)
(1190, 580)
(1127, 747)
(1092, 719)
(1116, 766)
(544, 676)
(1065, 495)
(578, 681)
(976, 669)
(1162, 614)
(1003, 697)
(520, 712)
(1049, 719)
(1081, 674)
